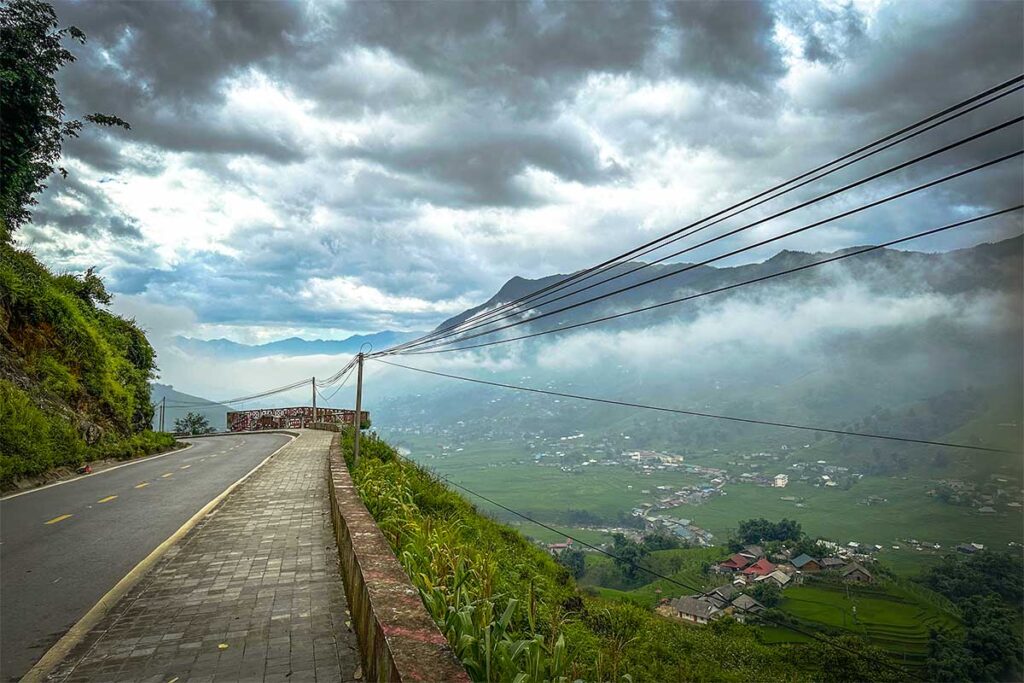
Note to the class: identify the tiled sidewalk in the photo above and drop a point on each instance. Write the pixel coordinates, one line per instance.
(253, 593)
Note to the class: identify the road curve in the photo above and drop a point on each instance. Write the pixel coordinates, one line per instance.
(62, 548)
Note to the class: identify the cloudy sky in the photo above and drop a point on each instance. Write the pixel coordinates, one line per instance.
(326, 168)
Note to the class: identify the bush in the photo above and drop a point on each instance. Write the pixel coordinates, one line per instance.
(81, 371)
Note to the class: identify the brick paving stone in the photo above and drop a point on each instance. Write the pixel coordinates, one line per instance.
(260, 574)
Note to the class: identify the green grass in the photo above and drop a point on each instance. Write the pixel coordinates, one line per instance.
(460, 559)
(840, 516)
(889, 616)
(506, 473)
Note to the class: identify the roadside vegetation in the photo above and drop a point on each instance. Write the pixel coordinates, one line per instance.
(74, 377)
(510, 610)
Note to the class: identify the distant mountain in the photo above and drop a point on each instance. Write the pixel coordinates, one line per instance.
(216, 414)
(293, 346)
(914, 343)
(985, 266)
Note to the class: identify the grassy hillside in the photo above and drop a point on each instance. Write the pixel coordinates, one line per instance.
(74, 378)
(471, 570)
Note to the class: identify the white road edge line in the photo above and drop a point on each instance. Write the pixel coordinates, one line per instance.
(148, 458)
(56, 654)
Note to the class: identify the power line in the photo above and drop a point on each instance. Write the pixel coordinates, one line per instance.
(734, 252)
(694, 413)
(649, 264)
(672, 580)
(243, 399)
(717, 290)
(334, 378)
(340, 386)
(586, 273)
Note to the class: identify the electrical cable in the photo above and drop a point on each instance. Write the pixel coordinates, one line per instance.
(705, 262)
(717, 290)
(586, 273)
(243, 399)
(645, 265)
(664, 577)
(694, 413)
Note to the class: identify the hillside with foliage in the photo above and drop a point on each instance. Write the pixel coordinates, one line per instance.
(511, 612)
(74, 377)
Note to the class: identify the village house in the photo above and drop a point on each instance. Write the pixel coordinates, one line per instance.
(694, 609)
(778, 577)
(735, 563)
(753, 552)
(830, 563)
(855, 573)
(744, 606)
(806, 563)
(557, 549)
(723, 595)
(760, 568)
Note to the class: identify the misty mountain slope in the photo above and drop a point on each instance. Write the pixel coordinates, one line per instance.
(870, 341)
(987, 266)
(215, 414)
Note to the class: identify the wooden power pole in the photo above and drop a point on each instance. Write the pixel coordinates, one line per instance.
(163, 410)
(359, 409)
(313, 384)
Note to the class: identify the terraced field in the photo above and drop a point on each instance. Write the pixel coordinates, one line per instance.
(891, 616)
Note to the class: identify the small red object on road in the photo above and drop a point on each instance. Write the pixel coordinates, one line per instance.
(85, 469)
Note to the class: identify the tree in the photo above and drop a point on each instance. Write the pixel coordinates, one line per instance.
(628, 555)
(31, 110)
(662, 540)
(573, 560)
(766, 593)
(193, 423)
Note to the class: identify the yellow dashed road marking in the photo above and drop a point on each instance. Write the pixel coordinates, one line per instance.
(166, 475)
(142, 485)
(106, 500)
(185, 467)
(58, 519)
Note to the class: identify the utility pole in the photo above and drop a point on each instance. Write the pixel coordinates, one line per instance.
(313, 384)
(163, 409)
(359, 409)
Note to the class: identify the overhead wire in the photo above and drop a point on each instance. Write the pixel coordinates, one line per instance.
(664, 577)
(736, 285)
(677, 234)
(243, 399)
(695, 413)
(644, 265)
(729, 254)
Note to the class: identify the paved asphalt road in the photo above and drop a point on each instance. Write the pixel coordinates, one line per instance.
(62, 548)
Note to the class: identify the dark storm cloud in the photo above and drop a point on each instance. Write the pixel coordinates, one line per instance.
(485, 155)
(726, 41)
(965, 47)
(432, 129)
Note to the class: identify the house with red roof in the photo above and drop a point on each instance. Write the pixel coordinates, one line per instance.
(760, 568)
(734, 563)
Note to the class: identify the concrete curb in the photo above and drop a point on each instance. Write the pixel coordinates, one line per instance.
(56, 654)
(398, 638)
